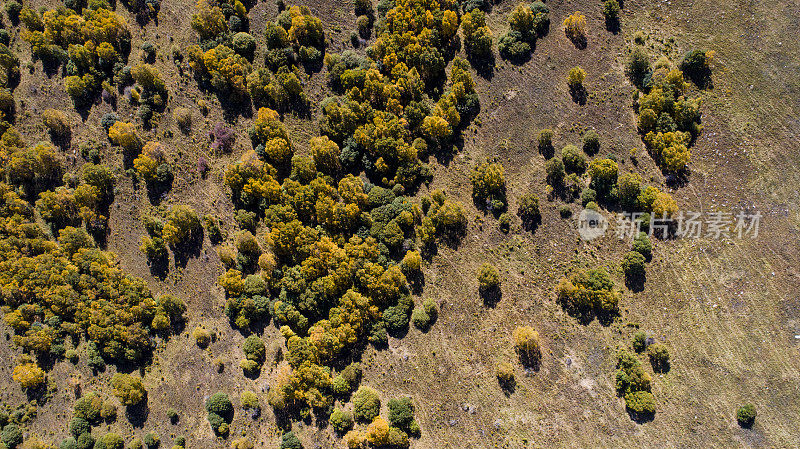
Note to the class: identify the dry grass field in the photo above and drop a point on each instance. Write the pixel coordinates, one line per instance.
(728, 310)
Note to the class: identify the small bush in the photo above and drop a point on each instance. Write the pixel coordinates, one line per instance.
(201, 336)
(633, 265)
(56, 122)
(366, 404)
(564, 211)
(575, 28)
(639, 341)
(545, 142)
(591, 142)
(488, 278)
(183, 117)
(526, 344)
(528, 210)
(575, 78)
(746, 415)
(643, 246)
(505, 374)
(640, 404)
(341, 421)
(659, 357)
(151, 440)
(290, 441)
(574, 160)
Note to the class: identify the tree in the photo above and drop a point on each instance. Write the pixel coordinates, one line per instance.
(603, 173)
(401, 412)
(488, 278)
(575, 28)
(574, 160)
(526, 344)
(366, 404)
(575, 78)
(640, 404)
(28, 375)
(611, 13)
(489, 186)
(528, 210)
(545, 141)
(182, 226)
(378, 432)
(746, 415)
(477, 35)
(591, 142)
(659, 357)
(643, 246)
(555, 172)
(633, 266)
(290, 441)
(696, 64)
(341, 421)
(638, 66)
(128, 389)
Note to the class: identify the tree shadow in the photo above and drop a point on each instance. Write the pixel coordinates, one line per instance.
(640, 417)
(636, 282)
(579, 41)
(508, 387)
(137, 414)
(159, 267)
(613, 25)
(189, 249)
(532, 224)
(484, 67)
(491, 296)
(578, 94)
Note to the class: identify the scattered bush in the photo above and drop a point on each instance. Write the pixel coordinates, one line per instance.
(366, 404)
(526, 344)
(643, 246)
(56, 122)
(477, 35)
(28, 375)
(575, 78)
(128, 389)
(290, 441)
(528, 210)
(639, 341)
(488, 278)
(545, 140)
(183, 117)
(589, 292)
(341, 421)
(591, 142)
(746, 415)
(575, 28)
(505, 374)
(659, 357)
(489, 186)
(574, 160)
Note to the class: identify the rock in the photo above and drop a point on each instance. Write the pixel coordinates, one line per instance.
(452, 422)
(497, 423)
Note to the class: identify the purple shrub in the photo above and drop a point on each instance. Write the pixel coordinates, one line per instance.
(202, 166)
(223, 137)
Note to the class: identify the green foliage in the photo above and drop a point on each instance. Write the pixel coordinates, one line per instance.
(366, 404)
(643, 246)
(341, 421)
(639, 341)
(545, 142)
(611, 10)
(659, 357)
(638, 66)
(696, 64)
(555, 172)
(633, 265)
(128, 389)
(746, 415)
(576, 77)
(574, 160)
(290, 441)
(588, 293)
(11, 436)
(151, 440)
(401, 412)
(640, 404)
(477, 35)
(528, 210)
(527, 346)
(488, 278)
(591, 142)
(220, 412)
(110, 441)
(489, 186)
(182, 227)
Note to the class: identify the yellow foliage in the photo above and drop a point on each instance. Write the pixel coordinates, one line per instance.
(28, 375)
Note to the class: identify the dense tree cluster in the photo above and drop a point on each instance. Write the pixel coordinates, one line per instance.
(589, 293)
(95, 45)
(669, 120)
(55, 290)
(526, 23)
(633, 384)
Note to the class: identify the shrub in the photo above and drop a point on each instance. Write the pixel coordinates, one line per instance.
(586, 292)
(489, 186)
(746, 415)
(611, 13)
(504, 221)
(290, 441)
(696, 65)
(220, 404)
(528, 210)
(512, 46)
(341, 421)
(108, 412)
(56, 122)
(28, 375)
(659, 357)
(401, 412)
(254, 349)
(488, 278)
(128, 389)
(173, 416)
(639, 341)
(68, 443)
(545, 140)
(633, 265)
(505, 374)
(603, 173)
(88, 407)
(183, 117)
(555, 172)
(574, 160)
(629, 186)
(244, 44)
(575, 28)
(110, 441)
(182, 226)
(591, 142)
(640, 403)
(564, 211)
(151, 440)
(643, 246)
(201, 336)
(575, 78)
(11, 436)
(526, 343)
(124, 135)
(366, 404)
(637, 66)
(477, 35)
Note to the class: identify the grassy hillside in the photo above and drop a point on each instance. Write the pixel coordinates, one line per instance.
(727, 309)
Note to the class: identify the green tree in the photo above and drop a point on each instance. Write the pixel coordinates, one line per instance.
(128, 389)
